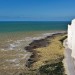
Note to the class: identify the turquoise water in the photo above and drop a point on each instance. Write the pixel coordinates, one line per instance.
(32, 25)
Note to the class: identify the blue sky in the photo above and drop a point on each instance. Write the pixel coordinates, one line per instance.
(37, 10)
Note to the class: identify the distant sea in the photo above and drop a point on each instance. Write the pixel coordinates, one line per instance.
(14, 26)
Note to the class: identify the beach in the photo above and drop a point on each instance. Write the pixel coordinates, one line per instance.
(14, 55)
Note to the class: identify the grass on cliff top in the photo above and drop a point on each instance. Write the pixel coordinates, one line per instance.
(53, 53)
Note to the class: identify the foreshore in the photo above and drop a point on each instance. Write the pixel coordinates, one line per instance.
(38, 43)
(42, 43)
(41, 51)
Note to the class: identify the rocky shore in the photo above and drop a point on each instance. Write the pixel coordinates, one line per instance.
(43, 42)
(33, 55)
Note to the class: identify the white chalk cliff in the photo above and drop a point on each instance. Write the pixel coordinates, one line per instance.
(71, 37)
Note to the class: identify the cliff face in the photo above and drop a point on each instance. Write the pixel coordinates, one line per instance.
(71, 37)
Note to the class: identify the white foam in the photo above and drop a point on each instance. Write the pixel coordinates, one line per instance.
(28, 38)
(18, 43)
(47, 34)
(12, 45)
(13, 60)
(2, 49)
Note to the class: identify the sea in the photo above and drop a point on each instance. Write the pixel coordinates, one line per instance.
(19, 30)
(14, 26)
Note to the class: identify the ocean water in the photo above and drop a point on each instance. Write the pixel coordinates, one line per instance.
(18, 34)
(14, 26)
(18, 30)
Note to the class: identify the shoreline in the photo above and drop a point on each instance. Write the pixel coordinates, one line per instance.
(30, 53)
(38, 43)
(4, 37)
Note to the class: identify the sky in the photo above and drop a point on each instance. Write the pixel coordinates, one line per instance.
(37, 10)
